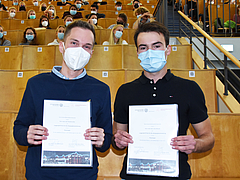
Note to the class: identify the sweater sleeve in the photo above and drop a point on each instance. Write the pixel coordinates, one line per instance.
(25, 118)
(104, 121)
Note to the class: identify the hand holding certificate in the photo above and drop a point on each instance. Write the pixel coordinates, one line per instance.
(36, 133)
(66, 145)
(96, 135)
(152, 128)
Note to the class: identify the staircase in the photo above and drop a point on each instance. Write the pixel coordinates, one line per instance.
(173, 24)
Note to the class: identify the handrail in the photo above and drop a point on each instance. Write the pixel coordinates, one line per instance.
(156, 8)
(229, 55)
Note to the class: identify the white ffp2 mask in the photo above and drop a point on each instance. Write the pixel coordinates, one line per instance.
(76, 58)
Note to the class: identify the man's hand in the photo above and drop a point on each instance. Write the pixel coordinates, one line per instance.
(189, 144)
(145, 17)
(36, 133)
(185, 144)
(96, 135)
(122, 138)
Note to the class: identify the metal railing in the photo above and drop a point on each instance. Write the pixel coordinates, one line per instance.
(186, 29)
(227, 71)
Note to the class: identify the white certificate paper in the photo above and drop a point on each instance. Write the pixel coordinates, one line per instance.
(66, 122)
(152, 128)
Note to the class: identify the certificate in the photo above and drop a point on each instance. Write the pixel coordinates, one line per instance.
(152, 128)
(66, 122)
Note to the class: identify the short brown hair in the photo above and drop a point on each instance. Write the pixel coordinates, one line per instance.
(152, 27)
(141, 10)
(80, 24)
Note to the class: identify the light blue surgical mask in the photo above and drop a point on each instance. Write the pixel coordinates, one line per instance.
(32, 17)
(63, 1)
(15, 3)
(73, 12)
(29, 37)
(118, 34)
(78, 6)
(152, 60)
(119, 8)
(1, 35)
(68, 22)
(61, 35)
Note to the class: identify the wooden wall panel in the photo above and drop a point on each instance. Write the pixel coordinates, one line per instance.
(180, 57)
(38, 57)
(206, 81)
(223, 160)
(7, 160)
(58, 57)
(12, 85)
(13, 155)
(106, 57)
(11, 57)
(130, 58)
(113, 78)
(14, 36)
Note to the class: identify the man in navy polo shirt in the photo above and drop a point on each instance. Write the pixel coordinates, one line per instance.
(156, 86)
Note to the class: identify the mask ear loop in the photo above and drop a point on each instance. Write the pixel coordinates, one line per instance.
(63, 46)
(165, 51)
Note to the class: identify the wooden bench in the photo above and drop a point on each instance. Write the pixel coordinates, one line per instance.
(221, 163)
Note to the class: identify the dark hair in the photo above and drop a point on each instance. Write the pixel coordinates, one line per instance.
(118, 3)
(34, 41)
(94, 5)
(135, 0)
(92, 15)
(124, 17)
(152, 27)
(73, 5)
(80, 24)
(43, 16)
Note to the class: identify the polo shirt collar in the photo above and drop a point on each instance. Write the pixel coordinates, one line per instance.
(56, 71)
(143, 79)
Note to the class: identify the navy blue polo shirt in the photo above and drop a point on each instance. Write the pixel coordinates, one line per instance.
(168, 90)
